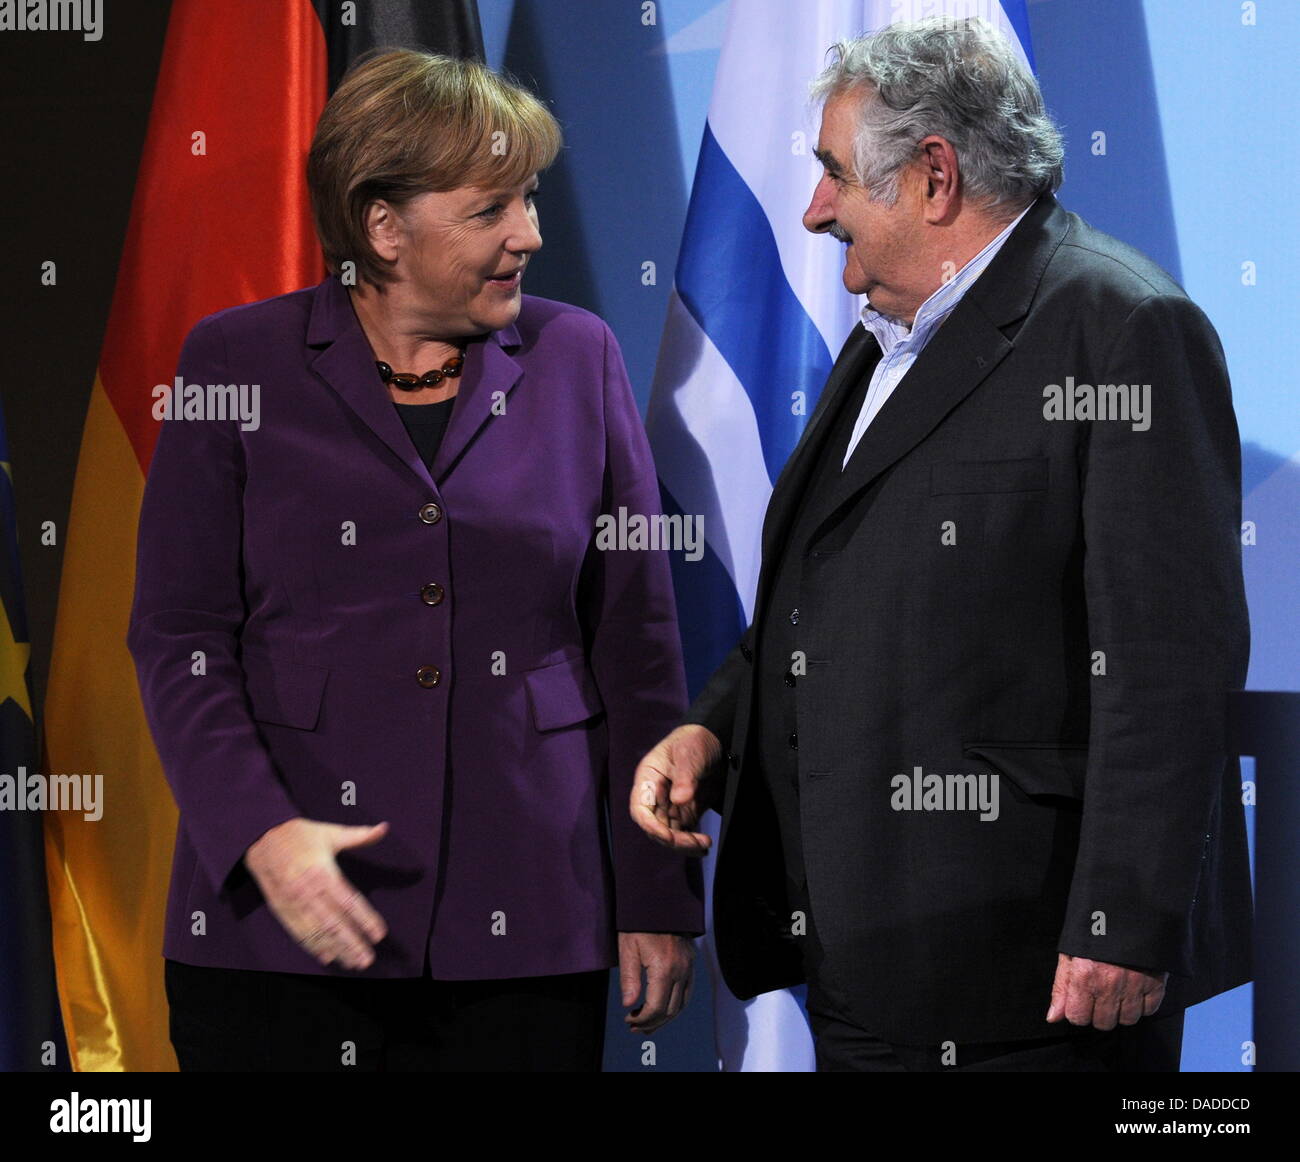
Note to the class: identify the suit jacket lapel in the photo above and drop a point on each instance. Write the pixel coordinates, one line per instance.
(857, 358)
(961, 354)
(347, 364)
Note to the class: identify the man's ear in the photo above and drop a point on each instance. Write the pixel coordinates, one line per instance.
(939, 159)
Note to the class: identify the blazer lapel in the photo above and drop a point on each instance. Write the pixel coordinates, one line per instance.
(489, 376)
(961, 354)
(346, 362)
(857, 358)
(954, 362)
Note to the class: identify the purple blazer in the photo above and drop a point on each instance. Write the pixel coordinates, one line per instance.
(323, 628)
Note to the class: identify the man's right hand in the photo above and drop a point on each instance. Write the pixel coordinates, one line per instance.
(294, 866)
(667, 799)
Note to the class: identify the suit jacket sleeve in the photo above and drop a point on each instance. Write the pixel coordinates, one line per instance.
(1167, 620)
(185, 624)
(715, 706)
(635, 652)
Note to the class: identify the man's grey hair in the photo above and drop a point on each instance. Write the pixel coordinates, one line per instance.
(961, 80)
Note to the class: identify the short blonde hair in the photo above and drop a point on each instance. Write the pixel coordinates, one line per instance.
(404, 123)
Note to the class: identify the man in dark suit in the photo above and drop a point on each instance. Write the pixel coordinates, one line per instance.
(975, 788)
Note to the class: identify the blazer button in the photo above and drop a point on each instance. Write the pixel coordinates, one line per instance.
(428, 676)
(431, 513)
(746, 652)
(794, 742)
(431, 593)
(734, 759)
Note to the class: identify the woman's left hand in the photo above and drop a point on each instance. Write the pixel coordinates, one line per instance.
(666, 959)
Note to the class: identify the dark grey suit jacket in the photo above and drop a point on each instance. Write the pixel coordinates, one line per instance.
(1053, 604)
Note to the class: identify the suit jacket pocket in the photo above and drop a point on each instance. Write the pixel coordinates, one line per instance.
(1039, 769)
(988, 476)
(563, 694)
(283, 692)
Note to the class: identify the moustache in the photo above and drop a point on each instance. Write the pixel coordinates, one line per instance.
(838, 232)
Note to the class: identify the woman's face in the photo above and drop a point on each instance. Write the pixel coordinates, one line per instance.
(461, 255)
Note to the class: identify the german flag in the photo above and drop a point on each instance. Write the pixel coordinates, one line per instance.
(220, 216)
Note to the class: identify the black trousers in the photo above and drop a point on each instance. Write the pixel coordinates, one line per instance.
(236, 1020)
(1153, 1045)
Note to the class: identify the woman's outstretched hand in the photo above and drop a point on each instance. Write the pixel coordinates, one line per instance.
(294, 865)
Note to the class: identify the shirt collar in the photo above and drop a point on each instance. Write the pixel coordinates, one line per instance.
(891, 332)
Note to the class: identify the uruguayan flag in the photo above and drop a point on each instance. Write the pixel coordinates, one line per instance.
(757, 312)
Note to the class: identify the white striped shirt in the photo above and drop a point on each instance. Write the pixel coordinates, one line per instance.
(900, 345)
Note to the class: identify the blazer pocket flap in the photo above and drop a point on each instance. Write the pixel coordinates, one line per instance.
(563, 694)
(1037, 768)
(988, 476)
(284, 693)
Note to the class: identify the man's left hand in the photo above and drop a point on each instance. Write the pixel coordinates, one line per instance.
(666, 959)
(1092, 992)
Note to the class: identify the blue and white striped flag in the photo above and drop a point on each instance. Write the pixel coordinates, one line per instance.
(757, 312)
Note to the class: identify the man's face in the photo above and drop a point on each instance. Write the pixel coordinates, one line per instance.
(882, 241)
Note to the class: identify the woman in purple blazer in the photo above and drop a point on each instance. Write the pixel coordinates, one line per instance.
(393, 681)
